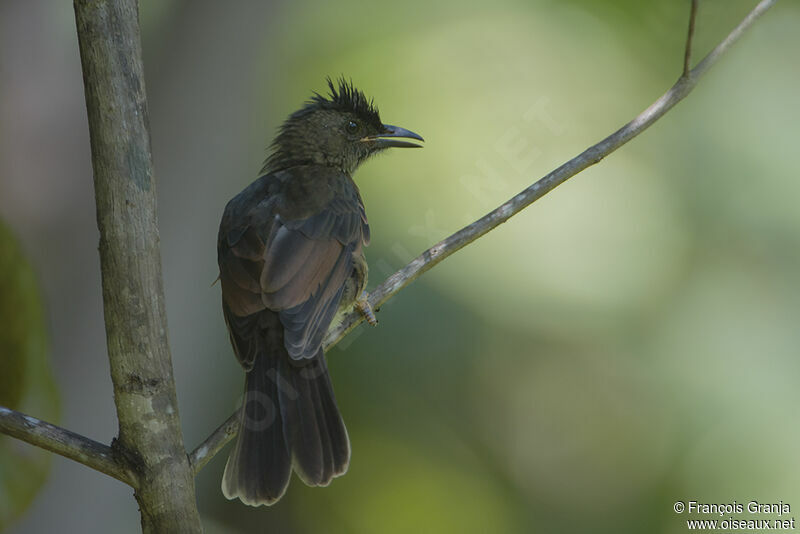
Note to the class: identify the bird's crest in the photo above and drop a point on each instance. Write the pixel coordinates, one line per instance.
(344, 96)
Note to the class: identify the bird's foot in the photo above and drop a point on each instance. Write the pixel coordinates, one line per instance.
(366, 310)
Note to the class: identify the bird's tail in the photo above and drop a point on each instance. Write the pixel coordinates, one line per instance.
(289, 420)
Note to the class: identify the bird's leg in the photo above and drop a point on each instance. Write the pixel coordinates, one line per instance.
(366, 310)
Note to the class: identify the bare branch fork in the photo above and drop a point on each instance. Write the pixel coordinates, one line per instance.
(64, 442)
(133, 235)
(149, 453)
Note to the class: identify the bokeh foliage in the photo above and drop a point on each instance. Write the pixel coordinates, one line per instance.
(26, 380)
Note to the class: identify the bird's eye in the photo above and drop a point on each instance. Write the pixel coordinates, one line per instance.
(352, 127)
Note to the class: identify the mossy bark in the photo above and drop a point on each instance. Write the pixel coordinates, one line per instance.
(141, 368)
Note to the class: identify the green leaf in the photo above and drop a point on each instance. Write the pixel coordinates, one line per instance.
(26, 379)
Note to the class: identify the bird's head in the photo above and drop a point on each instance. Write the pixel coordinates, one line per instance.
(338, 131)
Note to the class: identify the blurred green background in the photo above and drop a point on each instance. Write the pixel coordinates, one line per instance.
(629, 341)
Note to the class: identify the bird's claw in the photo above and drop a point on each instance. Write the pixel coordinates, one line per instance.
(364, 307)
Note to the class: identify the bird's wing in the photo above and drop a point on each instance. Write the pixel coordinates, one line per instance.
(294, 262)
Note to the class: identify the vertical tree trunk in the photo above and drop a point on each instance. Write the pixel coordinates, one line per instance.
(150, 436)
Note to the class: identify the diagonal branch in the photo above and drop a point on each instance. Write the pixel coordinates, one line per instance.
(214, 443)
(64, 442)
(452, 244)
(587, 158)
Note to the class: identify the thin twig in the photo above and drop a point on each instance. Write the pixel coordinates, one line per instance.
(687, 56)
(64, 442)
(437, 253)
(585, 159)
(214, 443)
(732, 37)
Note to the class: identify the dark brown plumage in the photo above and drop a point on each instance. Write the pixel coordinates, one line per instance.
(290, 253)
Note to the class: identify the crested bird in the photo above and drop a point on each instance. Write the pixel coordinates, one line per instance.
(290, 254)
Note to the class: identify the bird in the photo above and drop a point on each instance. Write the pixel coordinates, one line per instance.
(291, 259)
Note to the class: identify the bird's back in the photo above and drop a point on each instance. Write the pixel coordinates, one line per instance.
(288, 250)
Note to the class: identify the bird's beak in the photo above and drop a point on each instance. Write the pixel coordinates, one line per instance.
(389, 137)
